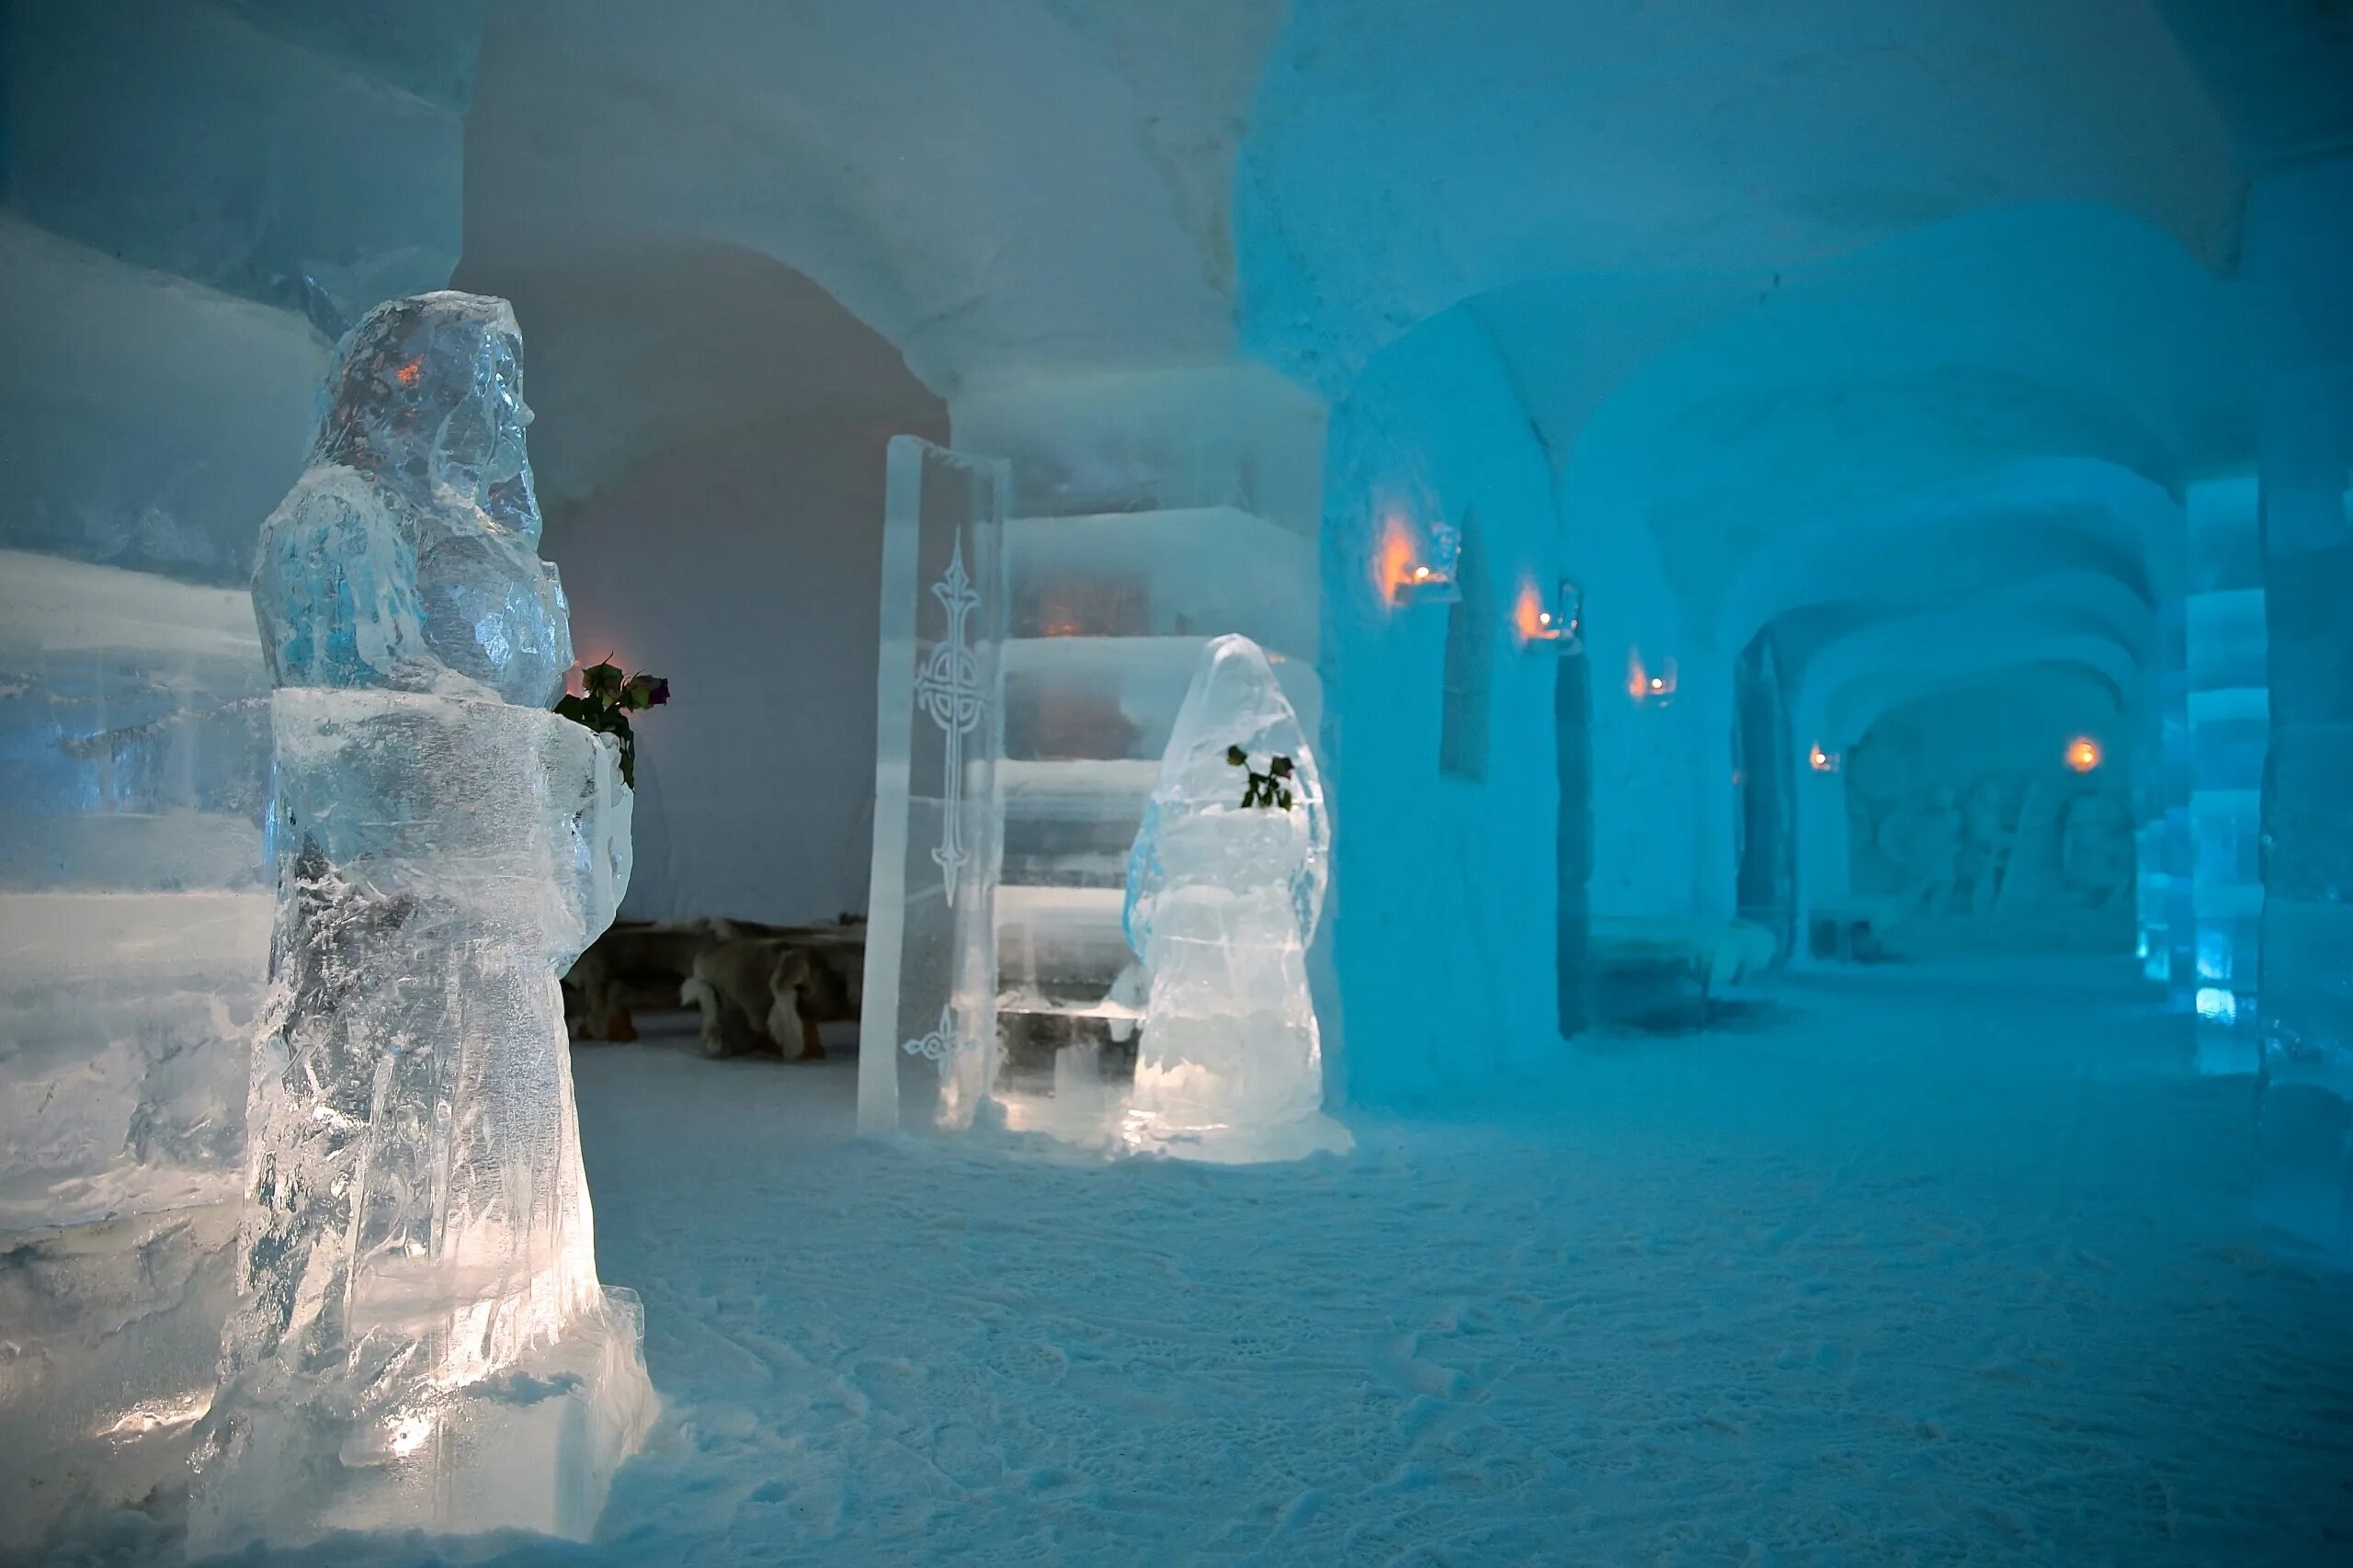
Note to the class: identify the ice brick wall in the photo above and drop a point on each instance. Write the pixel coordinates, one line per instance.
(134, 939)
(193, 198)
(2229, 711)
(2301, 246)
(133, 924)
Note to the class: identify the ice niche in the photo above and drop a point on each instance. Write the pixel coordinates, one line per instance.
(1225, 884)
(419, 1339)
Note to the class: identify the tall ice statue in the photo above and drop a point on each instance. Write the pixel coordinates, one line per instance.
(1225, 885)
(419, 1339)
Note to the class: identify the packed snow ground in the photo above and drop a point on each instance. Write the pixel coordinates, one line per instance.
(1902, 1268)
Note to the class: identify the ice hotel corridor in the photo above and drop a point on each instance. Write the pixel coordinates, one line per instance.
(1247, 781)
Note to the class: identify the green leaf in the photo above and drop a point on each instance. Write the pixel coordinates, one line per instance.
(602, 679)
(1236, 756)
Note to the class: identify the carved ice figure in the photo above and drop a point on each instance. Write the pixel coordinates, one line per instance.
(420, 1339)
(406, 555)
(2097, 850)
(1985, 844)
(1922, 839)
(1222, 899)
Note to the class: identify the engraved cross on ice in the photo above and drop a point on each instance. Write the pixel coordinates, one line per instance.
(941, 1044)
(948, 687)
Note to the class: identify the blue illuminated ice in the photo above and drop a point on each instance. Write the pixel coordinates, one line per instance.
(420, 1339)
(1222, 899)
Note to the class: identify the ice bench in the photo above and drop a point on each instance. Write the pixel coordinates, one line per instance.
(1668, 971)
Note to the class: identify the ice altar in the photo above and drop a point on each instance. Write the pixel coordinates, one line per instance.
(1222, 899)
(419, 1338)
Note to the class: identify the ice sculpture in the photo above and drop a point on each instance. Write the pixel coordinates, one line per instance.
(1222, 899)
(419, 1338)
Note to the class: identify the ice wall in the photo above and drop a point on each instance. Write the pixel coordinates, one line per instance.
(133, 935)
(130, 889)
(1446, 879)
(306, 157)
(2300, 255)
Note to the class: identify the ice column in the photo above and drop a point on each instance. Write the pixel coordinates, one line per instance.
(929, 1008)
(419, 1338)
(2300, 255)
(2165, 889)
(1225, 886)
(2229, 713)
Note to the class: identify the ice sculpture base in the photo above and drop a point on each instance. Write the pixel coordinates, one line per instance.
(533, 1447)
(1145, 1132)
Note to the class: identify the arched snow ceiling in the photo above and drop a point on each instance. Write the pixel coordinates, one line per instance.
(1404, 156)
(2060, 346)
(650, 343)
(995, 185)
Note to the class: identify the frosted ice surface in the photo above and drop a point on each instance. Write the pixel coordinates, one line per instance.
(134, 935)
(1222, 899)
(133, 922)
(420, 1339)
(406, 556)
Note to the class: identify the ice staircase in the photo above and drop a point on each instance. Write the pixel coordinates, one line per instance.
(1107, 615)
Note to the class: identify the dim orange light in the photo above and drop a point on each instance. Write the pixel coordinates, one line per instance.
(1394, 565)
(1528, 616)
(2083, 753)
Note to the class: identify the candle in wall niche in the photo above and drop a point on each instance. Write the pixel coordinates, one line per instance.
(2083, 753)
(1822, 760)
(1651, 683)
(1417, 565)
(1558, 624)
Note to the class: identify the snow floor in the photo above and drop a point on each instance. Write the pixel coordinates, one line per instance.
(1899, 1267)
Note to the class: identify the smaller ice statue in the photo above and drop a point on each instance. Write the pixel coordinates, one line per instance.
(1225, 885)
(419, 1339)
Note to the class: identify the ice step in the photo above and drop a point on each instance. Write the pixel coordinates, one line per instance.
(1182, 571)
(1076, 791)
(1049, 939)
(1114, 698)
(1071, 823)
